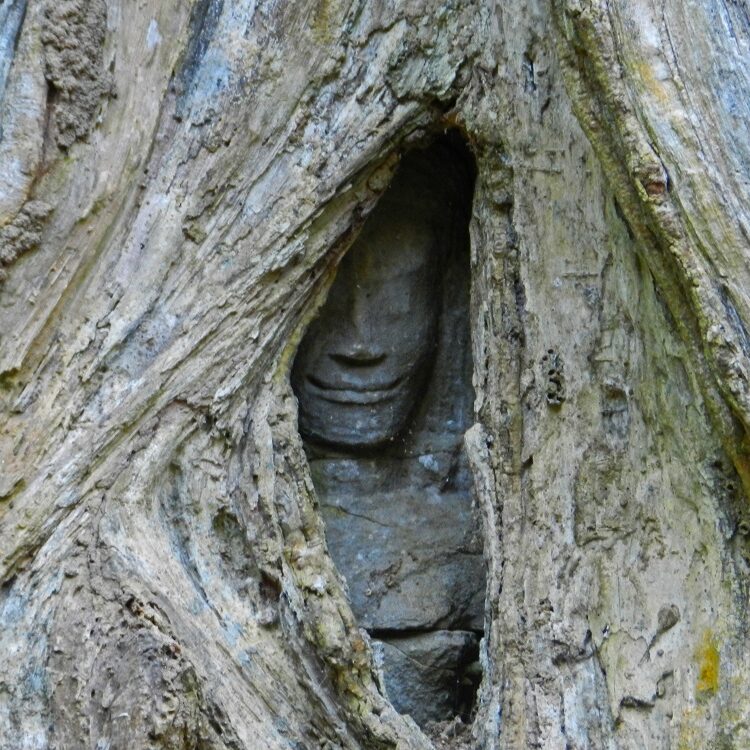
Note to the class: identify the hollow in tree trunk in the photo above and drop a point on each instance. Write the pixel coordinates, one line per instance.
(178, 183)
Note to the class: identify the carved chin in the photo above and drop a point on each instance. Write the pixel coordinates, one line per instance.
(353, 425)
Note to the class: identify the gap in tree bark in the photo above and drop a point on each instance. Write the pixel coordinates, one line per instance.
(383, 378)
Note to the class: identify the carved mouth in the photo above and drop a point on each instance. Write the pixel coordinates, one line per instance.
(367, 393)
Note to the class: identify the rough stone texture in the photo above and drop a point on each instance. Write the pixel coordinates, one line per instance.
(152, 475)
(410, 552)
(424, 674)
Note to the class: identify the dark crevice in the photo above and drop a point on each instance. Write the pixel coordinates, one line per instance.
(204, 18)
(394, 633)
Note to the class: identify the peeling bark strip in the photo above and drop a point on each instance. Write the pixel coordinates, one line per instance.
(617, 109)
(164, 578)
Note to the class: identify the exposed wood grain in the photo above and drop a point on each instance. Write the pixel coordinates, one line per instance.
(177, 184)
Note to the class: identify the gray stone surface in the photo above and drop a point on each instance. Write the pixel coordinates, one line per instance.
(405, 539)
(425, 673)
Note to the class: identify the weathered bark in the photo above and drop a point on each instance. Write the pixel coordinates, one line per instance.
(178, 182)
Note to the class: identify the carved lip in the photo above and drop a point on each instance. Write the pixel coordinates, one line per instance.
(367, 393)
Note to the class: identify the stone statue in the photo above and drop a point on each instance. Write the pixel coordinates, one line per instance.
(362, 366)
(383, 382)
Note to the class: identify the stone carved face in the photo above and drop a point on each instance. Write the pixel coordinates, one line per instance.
(364, 361)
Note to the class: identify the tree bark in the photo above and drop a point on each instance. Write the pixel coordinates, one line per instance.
(178, 183)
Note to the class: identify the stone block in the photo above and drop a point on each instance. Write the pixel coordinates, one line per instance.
(426, 674)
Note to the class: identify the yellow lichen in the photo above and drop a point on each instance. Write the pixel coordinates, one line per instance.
(689, 736)
(707, 656)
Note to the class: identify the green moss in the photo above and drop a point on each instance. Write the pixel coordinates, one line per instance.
(724, 742)
(321, 24)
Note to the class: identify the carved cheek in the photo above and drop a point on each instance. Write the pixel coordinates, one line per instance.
(317, 342)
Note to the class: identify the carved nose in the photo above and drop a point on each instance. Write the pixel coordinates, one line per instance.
(358, 355)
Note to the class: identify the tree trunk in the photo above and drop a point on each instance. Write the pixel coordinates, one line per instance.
(178, 183)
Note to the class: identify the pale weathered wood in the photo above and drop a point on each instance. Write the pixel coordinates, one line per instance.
(177, 183)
